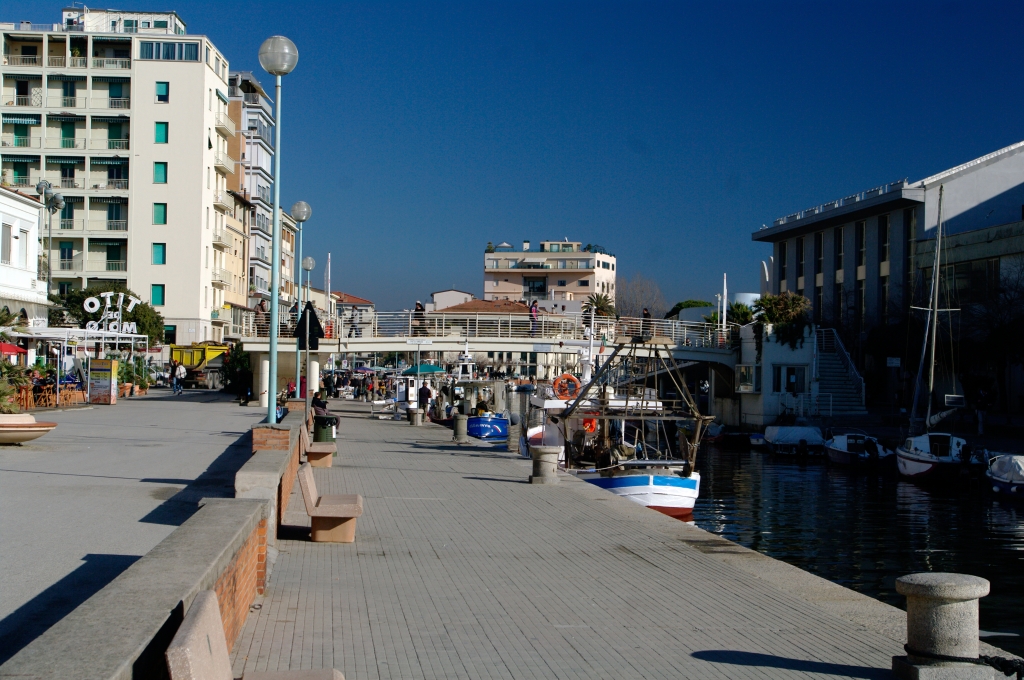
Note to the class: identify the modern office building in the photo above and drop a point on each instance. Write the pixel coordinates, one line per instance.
(127, 115)
(557, 270)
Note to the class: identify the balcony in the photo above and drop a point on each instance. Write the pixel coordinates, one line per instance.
(106, 184)
(109, 144)
(112, 103)
(220, 277)
(225, 125)
(24, 100)
(71, 264)
(23, 60)
(78, 62)
(222, 238)
(112, 63)
(13, 142)
(115, 225)
(65, 142)
(222, 201)
(55, 62)
(262, 257)
(62, 102)
(111, 266)
(223, 162)
(23, 181)
(77, 224)
(71, 183)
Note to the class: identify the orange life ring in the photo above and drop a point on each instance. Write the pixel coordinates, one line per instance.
(590, 424)
(564, 383)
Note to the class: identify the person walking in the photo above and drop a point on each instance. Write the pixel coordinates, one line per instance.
(179, 374)
(419, 320)
(645, 325)
(424, 398)
(534, 316)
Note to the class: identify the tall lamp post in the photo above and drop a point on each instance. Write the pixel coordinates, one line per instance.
(311, 380)
(300, 213)
(52, 202)
(278, 56)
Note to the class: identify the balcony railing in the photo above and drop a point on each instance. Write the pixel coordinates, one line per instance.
(261, 256)
(103, 184)
(65, 142)
(22, 181)
(116, 225)
(24, 60)
(222, 237)
(111, 63)
(78, 62)
(112, 103)
(225, 124)
(72, 224)
(220, 276)
(70, 264)
(62, 102)
(24, 100)
(20, 142)
(116, 266)
(223, 162)
(55, 62)
(71, 183)
(114, 144)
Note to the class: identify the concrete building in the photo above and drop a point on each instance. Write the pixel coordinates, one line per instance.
(127, 114)
(865, 259)
(443, 299)
(557, 270)
(22, 281)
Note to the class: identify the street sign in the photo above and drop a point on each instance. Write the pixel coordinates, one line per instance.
(419, 341)
(892, 362)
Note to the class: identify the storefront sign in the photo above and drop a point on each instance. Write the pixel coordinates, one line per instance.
(111, 319)
(103, 381)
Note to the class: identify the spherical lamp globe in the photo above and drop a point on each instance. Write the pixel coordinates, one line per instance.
(301, 211)
(308, 264)
(278, 55)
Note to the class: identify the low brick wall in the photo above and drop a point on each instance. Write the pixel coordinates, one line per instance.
(122, 631)
(271, 472)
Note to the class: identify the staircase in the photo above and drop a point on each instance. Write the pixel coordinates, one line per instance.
(837, 376)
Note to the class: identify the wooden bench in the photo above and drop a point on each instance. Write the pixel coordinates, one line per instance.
(319, 454)
(200, 652)
(333, 518)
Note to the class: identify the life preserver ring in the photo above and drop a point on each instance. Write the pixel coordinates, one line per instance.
(590, 424)
(566, 386)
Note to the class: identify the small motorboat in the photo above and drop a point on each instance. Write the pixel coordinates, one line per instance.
(1006, 475)
(757, 440)
(795, 440)
(856, 449)
(487, 426)
(715, 433)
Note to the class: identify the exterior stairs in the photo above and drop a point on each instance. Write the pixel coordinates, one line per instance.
(838, 377)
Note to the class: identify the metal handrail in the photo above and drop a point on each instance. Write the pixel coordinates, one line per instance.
(831, 343)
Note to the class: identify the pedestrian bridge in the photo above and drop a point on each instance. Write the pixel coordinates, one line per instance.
(382, 332)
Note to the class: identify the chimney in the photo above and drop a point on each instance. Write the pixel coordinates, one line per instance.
(526, 246)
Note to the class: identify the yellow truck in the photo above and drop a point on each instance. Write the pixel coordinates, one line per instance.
(202, 361)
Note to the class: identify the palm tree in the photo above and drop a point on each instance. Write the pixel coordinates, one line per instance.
(600, 304)
(10, 375)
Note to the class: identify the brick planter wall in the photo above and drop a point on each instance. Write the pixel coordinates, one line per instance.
(241, 581)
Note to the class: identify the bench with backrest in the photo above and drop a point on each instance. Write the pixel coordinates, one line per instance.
(319, 454)
(199, 650)
(333, 518)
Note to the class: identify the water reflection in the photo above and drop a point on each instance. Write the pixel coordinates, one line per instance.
(864, 529)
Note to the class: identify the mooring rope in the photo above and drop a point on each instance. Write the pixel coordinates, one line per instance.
(1000, 663)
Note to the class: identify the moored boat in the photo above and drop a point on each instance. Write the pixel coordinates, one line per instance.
(1005, 475)
(856, 449)
(487, 426)
(658, 485)
(933, 455)
(794, 440)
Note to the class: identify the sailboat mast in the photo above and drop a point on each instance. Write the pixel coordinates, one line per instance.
(932, 294)
(936, 273)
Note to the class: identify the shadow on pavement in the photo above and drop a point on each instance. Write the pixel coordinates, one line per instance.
(737, 658)
(36, 616)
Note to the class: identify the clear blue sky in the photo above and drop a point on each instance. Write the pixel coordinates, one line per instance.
(666, 132)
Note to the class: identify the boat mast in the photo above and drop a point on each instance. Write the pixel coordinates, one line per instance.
(936, 269)
(933, 296)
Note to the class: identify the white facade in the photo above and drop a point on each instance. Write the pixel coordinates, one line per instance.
(20, 289)
(443, 299)
(128, 120)
(557, 270)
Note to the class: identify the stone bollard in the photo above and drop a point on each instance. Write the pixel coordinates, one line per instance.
(461, 425)
(415, 417)
(545, 464)
(942, 621)
(513, 438)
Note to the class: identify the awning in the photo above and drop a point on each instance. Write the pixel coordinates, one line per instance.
(110, 199)
(107, 242)
(110, 38)
(534, 259)
(65, 160)
(111, 119)
(111, 79)
(21, 119)
(64, 76)
(8, 349)
(221, 96)
(74, 199)
(23, 76)
(12, 158)
(64, 117)
(109, 161)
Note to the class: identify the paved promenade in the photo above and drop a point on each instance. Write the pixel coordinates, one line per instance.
(460, 569)
(80, 505)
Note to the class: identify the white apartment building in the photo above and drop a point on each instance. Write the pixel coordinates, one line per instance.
(127, 115)
(557, 270)
(21, 290)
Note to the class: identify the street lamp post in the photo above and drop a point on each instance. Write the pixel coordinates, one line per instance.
(300, 213)
(52, 202)
(278, 56)
(307, 265)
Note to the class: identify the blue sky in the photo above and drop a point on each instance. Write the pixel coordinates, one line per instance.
(666, 132)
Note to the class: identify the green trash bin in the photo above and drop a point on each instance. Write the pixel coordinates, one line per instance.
(324, 428)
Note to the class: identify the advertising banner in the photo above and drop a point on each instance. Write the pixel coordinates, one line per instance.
(103, 381)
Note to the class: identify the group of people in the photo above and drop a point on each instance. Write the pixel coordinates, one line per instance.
(177, 374)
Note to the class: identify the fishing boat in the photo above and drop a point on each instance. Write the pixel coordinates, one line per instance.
(795, 440)
(1005, 475)
(757, 440)
(927, 454)
(856, 449)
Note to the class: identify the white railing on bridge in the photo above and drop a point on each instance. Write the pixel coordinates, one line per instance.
(368, 324)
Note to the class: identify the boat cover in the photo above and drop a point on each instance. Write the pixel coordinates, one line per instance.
(1008, 468)
(790, 435)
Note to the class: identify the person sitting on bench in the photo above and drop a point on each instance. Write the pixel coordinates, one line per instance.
(319, 405)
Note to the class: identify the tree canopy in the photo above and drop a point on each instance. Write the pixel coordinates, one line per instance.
(687, 304)
(149, 321)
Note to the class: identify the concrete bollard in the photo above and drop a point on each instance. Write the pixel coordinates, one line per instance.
(461, 429)
(545, 464)
(415, 417)
(942, 621)
(513, 438)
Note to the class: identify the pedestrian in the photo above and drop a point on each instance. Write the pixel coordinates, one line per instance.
(424, 397)
(179, 374)
(645, 325)
(353, 324)
(419, 319)
(534, 316)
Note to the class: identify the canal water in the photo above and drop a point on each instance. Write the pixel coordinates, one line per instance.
(863, 530)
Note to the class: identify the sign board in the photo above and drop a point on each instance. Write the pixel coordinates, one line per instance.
(344, 363)
(892, 362)
(956, 400)
(419, 341)
(111, 320)
(103, 381)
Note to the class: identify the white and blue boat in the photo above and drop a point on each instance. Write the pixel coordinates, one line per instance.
(1005, 475)
(488, 426)
(656, 484)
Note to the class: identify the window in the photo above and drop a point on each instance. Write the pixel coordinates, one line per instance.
(792, 379)
(819, 253)
(159, 173)
(159, 253)
(156, 294)
(800, 257)
(909, 234)
(23, 249)
(163, 92)
(883, 299)
(862, 243)
(840, 249)
(169, 51)
(859, 303)
(5, 245)
(159, 213)
(783, 256)
(160, 133)
(883, 238)
(819, 299)
(207, 54)
(171, 335)
(64, 288)
(748, 378)
(584, 283)
(561, 282)
(159, 24)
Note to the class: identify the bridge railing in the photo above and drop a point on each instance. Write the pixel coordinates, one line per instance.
(367, 324)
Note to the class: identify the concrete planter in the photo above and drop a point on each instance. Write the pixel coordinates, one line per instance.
(16, 428)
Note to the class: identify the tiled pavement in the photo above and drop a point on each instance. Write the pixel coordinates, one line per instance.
(461, 569)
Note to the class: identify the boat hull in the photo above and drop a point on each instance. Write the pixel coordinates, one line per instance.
(922, 468)
(668, 494)
(1014, 490)
(485, 427)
